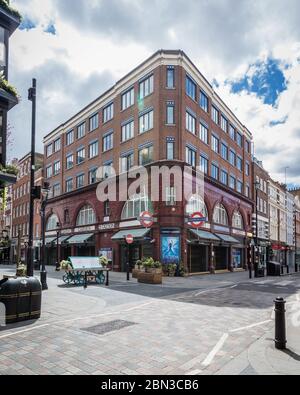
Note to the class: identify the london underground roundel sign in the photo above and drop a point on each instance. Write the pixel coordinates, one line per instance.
(146, 219)
(129, 239)
(197, 220)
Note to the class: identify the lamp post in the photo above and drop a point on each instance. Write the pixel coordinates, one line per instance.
(57, 246)
(43, 274)
(256, 262)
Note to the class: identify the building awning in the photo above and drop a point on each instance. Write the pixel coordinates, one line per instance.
(228, 239)
(63, 239)
(50, 240)
(136, 233)
(204, 235)
(80, 239)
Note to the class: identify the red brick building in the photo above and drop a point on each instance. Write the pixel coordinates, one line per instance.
(21, 202)
(162, 113)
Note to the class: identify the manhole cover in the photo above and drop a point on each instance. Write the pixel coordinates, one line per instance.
(107, 327)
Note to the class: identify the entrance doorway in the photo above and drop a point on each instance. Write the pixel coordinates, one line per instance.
(85, 251)
(199, 259)
(135, 255)
(221, 258)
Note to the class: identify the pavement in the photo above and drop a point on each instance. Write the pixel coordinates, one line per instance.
(202, 325)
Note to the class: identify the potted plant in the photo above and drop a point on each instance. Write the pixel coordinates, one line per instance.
(21, 270)
(152, 273)
(171, 269)
(103, 261)
(137, 268)
(65, 265)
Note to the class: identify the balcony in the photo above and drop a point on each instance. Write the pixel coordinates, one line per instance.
(9, 17)
(7, 99)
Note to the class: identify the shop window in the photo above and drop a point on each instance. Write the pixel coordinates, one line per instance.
(86, 216)
(52, 222)
(237, 220)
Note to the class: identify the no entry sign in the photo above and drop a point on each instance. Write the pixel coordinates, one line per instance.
(129, 239)
(146, 219)
(197, 220)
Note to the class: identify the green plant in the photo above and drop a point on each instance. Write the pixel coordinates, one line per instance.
(21, 270)
(65, 265)
(9, 169)
(5, 4)
(4, 84)
(103, 261)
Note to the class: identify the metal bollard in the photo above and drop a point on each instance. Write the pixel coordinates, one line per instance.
(128, 272)
(85, 281)
(287, 269)
(280, 326)
(107, 278)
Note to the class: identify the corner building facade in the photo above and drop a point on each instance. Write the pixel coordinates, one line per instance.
(163, 113)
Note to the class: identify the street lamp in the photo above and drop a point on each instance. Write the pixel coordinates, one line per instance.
(43, 275)
(57, 246)
(256, 263)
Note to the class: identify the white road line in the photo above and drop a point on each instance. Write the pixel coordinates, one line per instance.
(210, 290)
(284, 283)
(23, 331)
(208, 360)
(249, 326)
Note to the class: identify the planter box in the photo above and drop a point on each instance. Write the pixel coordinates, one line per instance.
(150, 278)
(135, 273)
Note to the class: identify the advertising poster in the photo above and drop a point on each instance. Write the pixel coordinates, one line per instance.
(107, 253)
(170, 249)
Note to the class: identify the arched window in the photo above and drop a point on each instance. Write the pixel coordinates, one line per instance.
(52, 222)
(220, 215)
(196, 204)
(86, 216)
(237, 220)
(136, 205)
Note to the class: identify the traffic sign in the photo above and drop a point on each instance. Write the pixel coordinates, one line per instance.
(197, 220)
(129, 239)
(146, 219)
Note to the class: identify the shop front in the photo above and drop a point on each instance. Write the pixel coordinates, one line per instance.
(200, 248)
(81, 245)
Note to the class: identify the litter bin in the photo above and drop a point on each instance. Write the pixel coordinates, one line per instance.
(274, 269)
(22, 298)
(261, 272)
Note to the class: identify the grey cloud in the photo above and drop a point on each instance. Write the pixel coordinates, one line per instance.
(53, 78)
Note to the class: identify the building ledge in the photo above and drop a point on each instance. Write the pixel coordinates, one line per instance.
(7, 179)
(7, 100)
(10, 18)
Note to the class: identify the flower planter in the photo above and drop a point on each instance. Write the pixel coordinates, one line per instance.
(150, 278)
(135, 273)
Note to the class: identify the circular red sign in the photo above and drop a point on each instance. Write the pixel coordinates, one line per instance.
(129, 239)
(146, 219)
(198, 220)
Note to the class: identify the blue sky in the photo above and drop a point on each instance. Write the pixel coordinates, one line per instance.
(249, 50)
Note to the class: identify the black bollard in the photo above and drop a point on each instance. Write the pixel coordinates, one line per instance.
(128, 272)
(280, 327)
(107, 278)
(287, 269)
(85, 281)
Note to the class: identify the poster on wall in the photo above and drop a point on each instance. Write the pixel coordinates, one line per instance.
(237, 258)
(170, 250)
(107, 253)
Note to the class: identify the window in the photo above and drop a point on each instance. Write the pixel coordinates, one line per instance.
(108, 169)
(248, 146)
(93, 176)
(239, 139)
(56, 190)
(203, 164)
(136, 205)
(215, 115)
(108, 142)
(69, 161)
(224, 177)
(215, 144)
(57, 145)
(237, 220)
(224, 124)
(49, 150)
(2, 49)
(224, 151)
(80, 156)
(190, 123)
(128, 131)
(170, 113)
(203, 133)
(69, 185)
(203, 101)
(170, 150)
(81, 130)
(127, 162)
(170, 196)
(49, 171)
(146, 155)
(94, 122)
(215, 171)
(196, 204)
(70, 137)
(232, 132)
(239, 186)
(128, 99)
(170, 77)
(108, 113)
(220, 216)
(93, 149)
(80, 181)
(247, 169)
(190, 88)
(106, 209)
(146, 87)
(239, 163)
(56, 168)
(86, 216)
(232, 157)
(146, 122)
(52, 222)
(232, 182)
(190, 156)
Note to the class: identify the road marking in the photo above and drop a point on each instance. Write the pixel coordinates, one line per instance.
(23, 331)
(265, 281)
(284, 283)
(208, 360)
(250, 326)
(194, 373)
